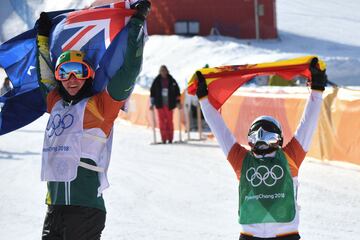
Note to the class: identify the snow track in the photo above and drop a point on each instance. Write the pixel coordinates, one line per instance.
(178, 191)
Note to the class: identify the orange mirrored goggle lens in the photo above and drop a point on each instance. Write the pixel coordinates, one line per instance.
(81, 71)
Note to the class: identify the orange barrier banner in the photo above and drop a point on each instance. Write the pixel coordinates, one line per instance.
(337, 136)
(139, 111)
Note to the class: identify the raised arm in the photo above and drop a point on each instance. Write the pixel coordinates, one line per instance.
(123, 82)
(233, 151)
(309, 120)
(213, 118)
(300, 144)
(45, 74)
(223, 135)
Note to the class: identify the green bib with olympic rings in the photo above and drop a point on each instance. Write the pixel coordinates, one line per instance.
(266, 191)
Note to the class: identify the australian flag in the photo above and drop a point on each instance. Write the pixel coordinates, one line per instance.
(100, 32)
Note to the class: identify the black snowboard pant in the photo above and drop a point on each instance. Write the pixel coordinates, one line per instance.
(288, 237)
(73, 223)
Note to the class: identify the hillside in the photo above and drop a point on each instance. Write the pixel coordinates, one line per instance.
(324, 28)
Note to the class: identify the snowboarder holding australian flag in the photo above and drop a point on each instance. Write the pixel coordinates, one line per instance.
(268, 171)
(78, 136)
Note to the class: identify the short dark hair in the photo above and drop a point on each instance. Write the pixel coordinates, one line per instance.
(164, 67)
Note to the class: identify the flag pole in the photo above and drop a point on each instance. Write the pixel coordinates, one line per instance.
(180, 137)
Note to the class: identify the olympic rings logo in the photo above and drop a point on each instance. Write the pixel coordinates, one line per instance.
(57, 124)
(262, 174)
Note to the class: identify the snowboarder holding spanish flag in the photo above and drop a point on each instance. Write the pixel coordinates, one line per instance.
(268, 172)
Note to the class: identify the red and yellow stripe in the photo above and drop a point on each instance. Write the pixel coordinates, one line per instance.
(223, 81)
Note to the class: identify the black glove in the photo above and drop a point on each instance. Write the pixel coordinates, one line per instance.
(44, 24)
(202, 89)
(143, 8)
(318, 77)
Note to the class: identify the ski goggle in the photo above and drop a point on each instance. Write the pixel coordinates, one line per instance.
(267, 126)
(262, 136)
(80, 70)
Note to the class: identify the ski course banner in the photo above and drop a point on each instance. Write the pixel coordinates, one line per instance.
(225, 80)
(336, 137)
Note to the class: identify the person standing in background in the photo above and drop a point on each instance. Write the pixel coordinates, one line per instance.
(165, 96)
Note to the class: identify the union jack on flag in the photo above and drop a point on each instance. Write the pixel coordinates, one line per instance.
(93, 31)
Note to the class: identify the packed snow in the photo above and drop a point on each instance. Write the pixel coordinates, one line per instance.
(178, 191)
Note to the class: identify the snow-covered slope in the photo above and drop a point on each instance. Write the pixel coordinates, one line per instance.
(329, 29)
(328, 20)
(184, 55)
(177, 192)
(325, 28)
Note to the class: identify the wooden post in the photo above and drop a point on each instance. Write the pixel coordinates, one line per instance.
(187, 120)
(199, 120)
(180, 137)
(154, 124)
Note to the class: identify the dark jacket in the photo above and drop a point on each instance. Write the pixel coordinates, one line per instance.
(173, 95)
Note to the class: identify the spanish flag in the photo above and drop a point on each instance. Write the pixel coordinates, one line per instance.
(223, 81)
